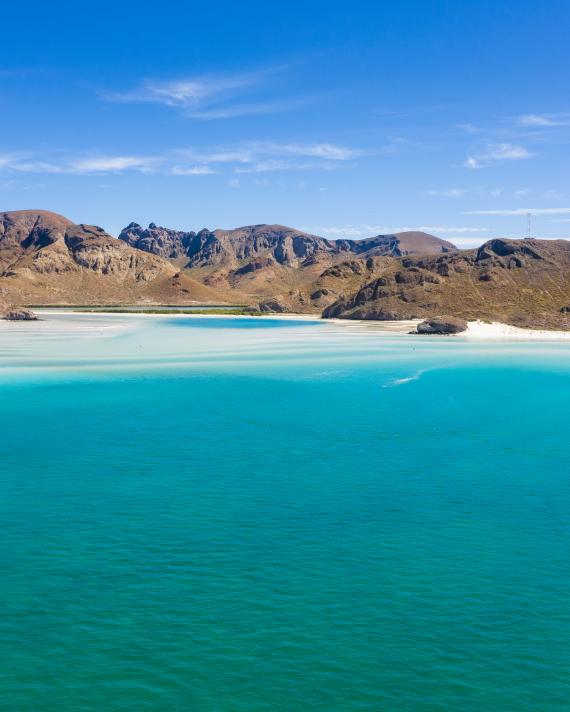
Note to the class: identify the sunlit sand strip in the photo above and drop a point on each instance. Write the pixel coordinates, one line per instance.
(397, 327)
(500, 332)
(477, 330)
(46, 324)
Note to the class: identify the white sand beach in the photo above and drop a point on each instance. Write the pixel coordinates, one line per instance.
(496, 331)
(477, 330)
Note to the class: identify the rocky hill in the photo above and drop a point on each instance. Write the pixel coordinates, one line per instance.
(45, 258)
(284, 245)
(268, 260)
(520, 282)
(398, 245)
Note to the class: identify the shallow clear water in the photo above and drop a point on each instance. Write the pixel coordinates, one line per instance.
(235, 514)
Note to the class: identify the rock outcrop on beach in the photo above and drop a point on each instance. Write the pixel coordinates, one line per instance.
(19, 314)
(11, 313)
(442, 325)
(520, 282)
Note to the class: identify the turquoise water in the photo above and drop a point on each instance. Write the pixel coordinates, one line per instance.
(286, 516)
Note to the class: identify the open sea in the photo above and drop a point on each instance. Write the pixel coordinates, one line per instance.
(254, 514)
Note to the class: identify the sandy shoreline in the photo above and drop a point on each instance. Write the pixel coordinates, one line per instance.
(495, 331)
(477, 330)
(178, 315)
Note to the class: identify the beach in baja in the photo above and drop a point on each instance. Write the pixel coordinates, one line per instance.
(255, 513)
(285, 356)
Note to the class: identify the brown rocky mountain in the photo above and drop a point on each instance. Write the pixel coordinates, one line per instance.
(400, 244)
(328, 286)
(283, 245)
(520, 282)
(262, 261)
(45, 258)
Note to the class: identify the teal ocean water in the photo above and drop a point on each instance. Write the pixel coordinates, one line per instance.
(250, 515)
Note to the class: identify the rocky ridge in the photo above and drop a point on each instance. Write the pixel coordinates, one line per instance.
(284, 245)
(520, 282)
(45, 258)
(270, 261)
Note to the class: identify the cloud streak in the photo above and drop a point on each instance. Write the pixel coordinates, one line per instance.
(251, 157)
(544, 120)
(496, 153)
(520, 211)
(359, 231)
(212, 96)
(448, 193)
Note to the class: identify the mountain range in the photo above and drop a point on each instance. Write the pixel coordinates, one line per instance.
(47, 259)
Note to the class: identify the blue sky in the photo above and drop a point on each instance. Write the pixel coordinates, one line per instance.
(344, 119)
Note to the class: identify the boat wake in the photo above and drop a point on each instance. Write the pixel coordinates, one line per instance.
(407, 379)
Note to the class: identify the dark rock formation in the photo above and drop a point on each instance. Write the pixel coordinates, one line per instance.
(442, 325)
(170, 244)
(19, 314)
(255, 265)
(275, 306)
(16, 313)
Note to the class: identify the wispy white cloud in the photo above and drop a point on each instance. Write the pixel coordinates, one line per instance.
(520, 211)
(272, 164)
(7, 159)
(27, 166)
(346, 231)
(360, 231)
(472, 162)
(112, 164)
(544, 120)
(448, 193)
(326, 151)
(186, 93)
(497, 152)
(190, 171)
(264, 157)
(238, 154)
(86, 165)
(213, 96)
(249, 109)
(444, 229)
(250, 157)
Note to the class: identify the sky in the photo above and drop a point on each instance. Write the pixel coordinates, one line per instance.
(345, 119)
